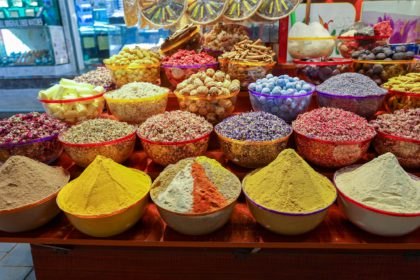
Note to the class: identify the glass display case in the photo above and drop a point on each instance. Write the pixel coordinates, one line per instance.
(33, 39)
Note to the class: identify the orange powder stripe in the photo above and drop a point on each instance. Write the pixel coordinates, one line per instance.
(206, 196)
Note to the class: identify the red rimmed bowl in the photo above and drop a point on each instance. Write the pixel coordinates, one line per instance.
(119, 150)
(178, 73)
(397, 100)
(374, 220)
(364, 106)
(406, 150)
(110, 224)
(165, 153)
(30, 216)
(46, 149)
(75, 110)
(283, 222)
(329, 153)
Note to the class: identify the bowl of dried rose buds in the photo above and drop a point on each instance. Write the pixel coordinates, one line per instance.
(182, 64)
(33, 135)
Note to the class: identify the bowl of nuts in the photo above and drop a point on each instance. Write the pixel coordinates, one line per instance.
(105, 137)
(175, 135)
(33, 135)
(134, 65)
(181, 65)
(137, 101)
(211, 94)
(347, 45)
(403, 92)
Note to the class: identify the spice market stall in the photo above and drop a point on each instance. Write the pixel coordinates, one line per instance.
(207, 159)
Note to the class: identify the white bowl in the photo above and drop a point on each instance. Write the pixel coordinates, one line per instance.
(374, 220)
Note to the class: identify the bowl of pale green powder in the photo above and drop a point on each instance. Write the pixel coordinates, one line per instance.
(379, 196)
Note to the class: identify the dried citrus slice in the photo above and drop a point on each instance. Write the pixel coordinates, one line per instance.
(241, 9)
(277, 9)
(163, 13)
(205, 11)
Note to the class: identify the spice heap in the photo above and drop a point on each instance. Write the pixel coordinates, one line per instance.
(25, 181)
(383, 53)
(262, 136)
(172, 136)
(96, 131)
(331, 124)
(174, 126)
(137, 90)
(317, 71)
(187, 38)
(310, 41)
(382, 184)
(206, 85)
(98, 77)
(134, 65)
(104, 187)
(299, 189)
(72, 112)
(350, 84)
(188, 58)
(249, 51)
(253, 126)
(402, 123)
(406, 83)
(195, 186)
(23, 128)
(223, 37)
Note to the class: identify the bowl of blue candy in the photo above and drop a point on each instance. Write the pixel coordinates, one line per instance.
(283, 96)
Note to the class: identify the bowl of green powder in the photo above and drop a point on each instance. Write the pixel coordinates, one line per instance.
(379, 196)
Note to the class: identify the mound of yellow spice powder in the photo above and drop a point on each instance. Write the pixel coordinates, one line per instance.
(289, 184)
(103, 188)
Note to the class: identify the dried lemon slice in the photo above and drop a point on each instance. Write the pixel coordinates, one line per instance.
(276, 9)
(163, 13)
(205, 11)
(241, 9)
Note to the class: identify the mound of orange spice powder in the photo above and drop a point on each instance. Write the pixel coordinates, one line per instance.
(195, 185)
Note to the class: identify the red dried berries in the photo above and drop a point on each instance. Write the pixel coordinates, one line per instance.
(188, 58)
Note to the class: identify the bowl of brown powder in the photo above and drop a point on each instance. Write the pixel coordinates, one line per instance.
(28, 190)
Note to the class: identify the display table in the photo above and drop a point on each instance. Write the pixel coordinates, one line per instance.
(242, 249)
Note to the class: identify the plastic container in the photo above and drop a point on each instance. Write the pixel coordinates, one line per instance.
(189, 42)
(165, 153)
(406, 150)
(213, 108)
(307, 47)
(31, 216)
(252, 154)
(45, 150)
(235, 11)
(331, 154)
(205, 12)
(109, 224)
(382, 70)
(413, 47)
(365, 106)
(348, 44)
(396, 100)
(125, 74)
(374, 220)
(75, 110)
(137, 110)
(283, 222)
(161, 13)
(119, 150)
(287, 107)
(272, 10)
(177, 74)
(316, 72)
(248, 72)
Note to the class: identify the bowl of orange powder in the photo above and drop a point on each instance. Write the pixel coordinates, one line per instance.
(196, 195)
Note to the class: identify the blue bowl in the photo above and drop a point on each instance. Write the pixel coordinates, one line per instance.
(414, 47)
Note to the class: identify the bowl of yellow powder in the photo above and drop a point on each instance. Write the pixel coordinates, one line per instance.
(106, 199)
(288, 196)
(379, 196)
(196, 195)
